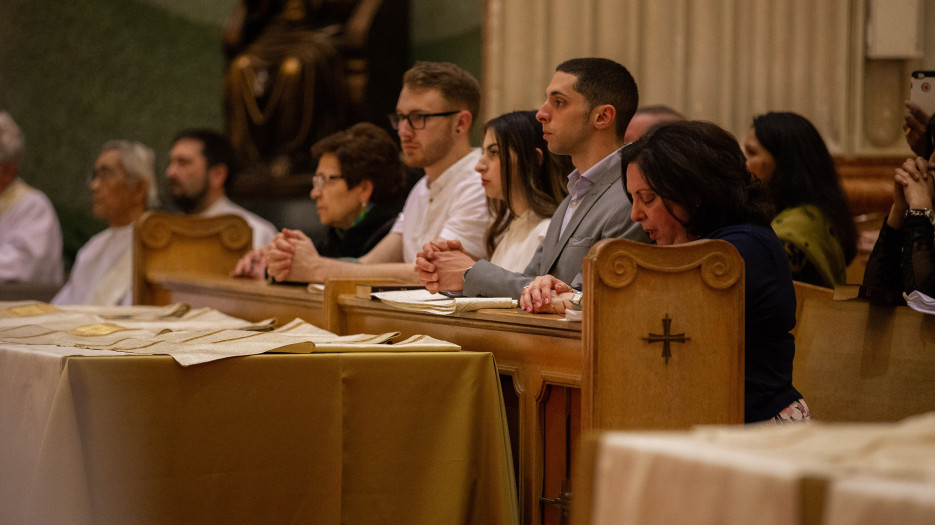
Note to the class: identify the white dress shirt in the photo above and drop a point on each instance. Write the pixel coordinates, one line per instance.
(454, 207)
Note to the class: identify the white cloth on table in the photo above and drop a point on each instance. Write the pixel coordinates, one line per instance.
(30, 236)
(263, 230)
(188, 336)
(769, 474)
(520, 241)
(454, 207)
(103, 271)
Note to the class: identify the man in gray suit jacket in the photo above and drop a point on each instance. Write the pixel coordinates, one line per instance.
(588, 106)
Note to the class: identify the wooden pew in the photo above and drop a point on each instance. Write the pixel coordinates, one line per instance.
(855, 361)
(199, 246)
(185, 259)
(663, 335)
(612, 378)
(858, 361)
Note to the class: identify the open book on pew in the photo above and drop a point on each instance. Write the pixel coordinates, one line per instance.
(418, 299)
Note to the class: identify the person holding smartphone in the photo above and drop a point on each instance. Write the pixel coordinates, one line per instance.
(903, 258)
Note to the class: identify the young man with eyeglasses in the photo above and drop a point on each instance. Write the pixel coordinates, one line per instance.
(123, 186)
(436, 108)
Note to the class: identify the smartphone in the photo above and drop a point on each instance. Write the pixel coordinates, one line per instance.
(922, 90)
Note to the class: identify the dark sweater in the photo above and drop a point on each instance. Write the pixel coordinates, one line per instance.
(770, 316)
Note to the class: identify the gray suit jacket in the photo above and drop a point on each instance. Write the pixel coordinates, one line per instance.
(602, 213)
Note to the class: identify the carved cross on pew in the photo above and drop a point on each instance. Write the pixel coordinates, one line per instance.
(666, 338)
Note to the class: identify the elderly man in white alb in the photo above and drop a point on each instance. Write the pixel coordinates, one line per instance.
(123, 185)
(201, 169)
(30, 235)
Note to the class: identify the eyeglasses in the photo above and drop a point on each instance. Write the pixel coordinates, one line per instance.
(319, 180)
(103, 174)
(416, 120)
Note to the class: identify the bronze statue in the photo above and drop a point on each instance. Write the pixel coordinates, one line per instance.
(286, 84)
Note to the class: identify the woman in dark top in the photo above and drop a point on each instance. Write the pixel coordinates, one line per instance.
(813, 219)
(903, 258)
(688, 181)
(359, 189)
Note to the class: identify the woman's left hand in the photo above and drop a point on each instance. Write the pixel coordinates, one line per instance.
(542, 294)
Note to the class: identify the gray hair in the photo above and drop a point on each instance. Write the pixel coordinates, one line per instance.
(12, 144)
(139, 163)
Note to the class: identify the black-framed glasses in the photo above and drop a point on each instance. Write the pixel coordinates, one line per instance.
(320, 179)
(417, 120)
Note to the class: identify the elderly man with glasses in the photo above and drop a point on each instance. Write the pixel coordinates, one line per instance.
(436, 108)
(123, 186)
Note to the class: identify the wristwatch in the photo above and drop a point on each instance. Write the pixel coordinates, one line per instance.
(576, 300)
(928, 213)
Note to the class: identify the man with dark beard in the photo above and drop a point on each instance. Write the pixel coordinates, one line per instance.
(201, 167)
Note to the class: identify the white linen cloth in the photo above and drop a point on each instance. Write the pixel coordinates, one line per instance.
(767, 474)
(189, 336)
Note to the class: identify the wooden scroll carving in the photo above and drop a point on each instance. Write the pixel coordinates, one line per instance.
(185, 244)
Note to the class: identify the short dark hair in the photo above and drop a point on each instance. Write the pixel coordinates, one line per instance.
(366, 152)
(700, 167)
(455, 83)
(805, 173)
(216, 149)
(660, 110)
(519, 135)
(603, 81)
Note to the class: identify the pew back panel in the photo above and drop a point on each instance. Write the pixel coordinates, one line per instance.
(857, 361)
(194, 245)
(663, 335)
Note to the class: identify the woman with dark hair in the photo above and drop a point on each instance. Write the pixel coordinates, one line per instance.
(524, 185)
(358, 188)
(688, 181)
(903, 258)
(813, 221)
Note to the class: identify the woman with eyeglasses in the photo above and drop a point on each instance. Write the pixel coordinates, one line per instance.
(359, 189)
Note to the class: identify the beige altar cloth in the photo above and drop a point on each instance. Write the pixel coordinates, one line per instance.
(360, 437)
(189, 336)
(821, 474)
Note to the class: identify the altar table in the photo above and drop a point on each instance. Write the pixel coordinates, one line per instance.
(273, 438)
(815, 474)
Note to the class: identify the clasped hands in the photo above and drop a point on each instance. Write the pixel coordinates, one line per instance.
(441, 265)
(913, 187)
(291, 256)
(546, 295)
